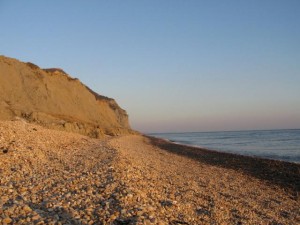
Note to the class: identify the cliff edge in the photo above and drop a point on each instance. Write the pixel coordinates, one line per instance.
(53, 99)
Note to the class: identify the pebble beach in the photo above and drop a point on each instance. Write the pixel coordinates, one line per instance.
(56, 177)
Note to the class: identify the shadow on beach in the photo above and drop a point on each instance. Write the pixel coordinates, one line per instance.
(283, 174)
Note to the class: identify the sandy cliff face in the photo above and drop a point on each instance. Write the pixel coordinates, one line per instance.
(52, 98)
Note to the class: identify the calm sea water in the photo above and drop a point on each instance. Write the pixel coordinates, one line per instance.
(273, 144)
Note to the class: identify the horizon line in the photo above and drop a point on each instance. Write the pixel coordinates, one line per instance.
(179, 132)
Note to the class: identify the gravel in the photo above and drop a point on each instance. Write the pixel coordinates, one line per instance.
(54, 177)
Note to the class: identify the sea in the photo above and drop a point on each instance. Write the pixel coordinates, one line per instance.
(271, 144)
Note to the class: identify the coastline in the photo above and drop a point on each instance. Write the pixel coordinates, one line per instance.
(282, 173)
(56, 177)
(280, 144)
(206, 189)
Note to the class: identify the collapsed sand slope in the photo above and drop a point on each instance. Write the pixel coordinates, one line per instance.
(177, 190)
(51, 98)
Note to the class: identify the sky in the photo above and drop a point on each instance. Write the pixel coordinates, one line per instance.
(173, 65)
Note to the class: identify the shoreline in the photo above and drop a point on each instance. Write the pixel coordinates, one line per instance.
(209, 187)
(263, 145)
(220, 151)
(282, 173)
(56, 177)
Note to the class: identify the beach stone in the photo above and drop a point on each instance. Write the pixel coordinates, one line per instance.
(150, 208)
(27, 209)
(161, 223)
(7, 220)
(36, 217)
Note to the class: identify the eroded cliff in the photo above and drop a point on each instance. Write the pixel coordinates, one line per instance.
(51, 98)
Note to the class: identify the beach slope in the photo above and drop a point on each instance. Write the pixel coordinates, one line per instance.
(56, 177)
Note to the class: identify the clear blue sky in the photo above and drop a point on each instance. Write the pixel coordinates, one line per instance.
(173, 65)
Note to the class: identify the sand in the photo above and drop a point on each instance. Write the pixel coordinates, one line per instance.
(55, 177)
(53, 99)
